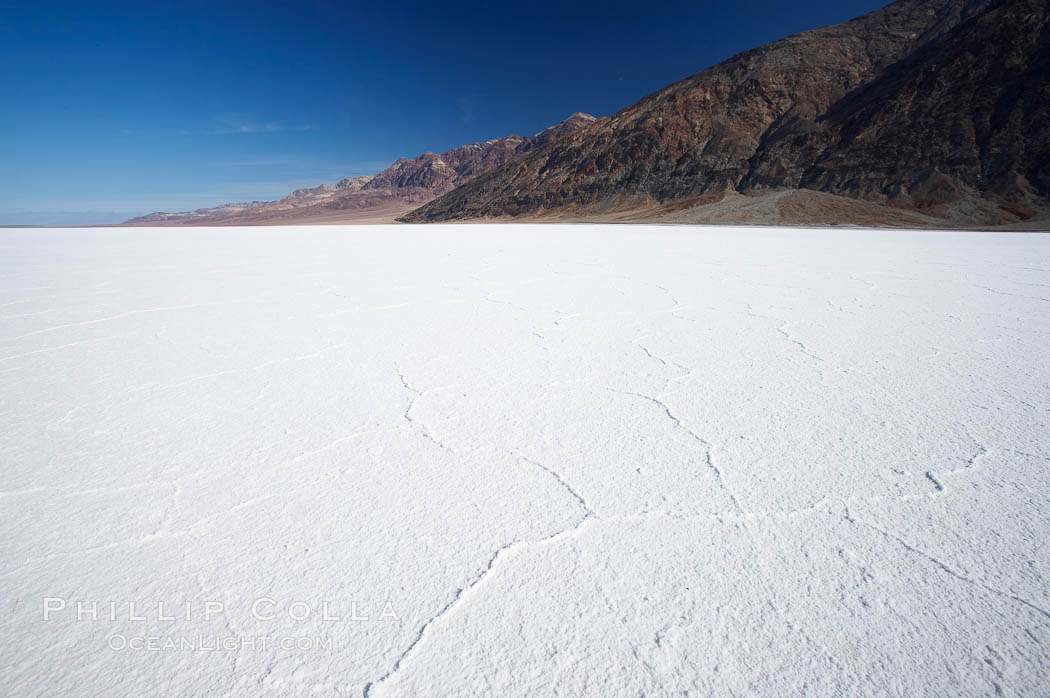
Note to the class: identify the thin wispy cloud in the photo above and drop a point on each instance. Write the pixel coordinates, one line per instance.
(469, 106)
(234, 125)
(221, 127)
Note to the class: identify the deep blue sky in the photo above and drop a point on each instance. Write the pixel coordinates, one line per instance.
(112, 109)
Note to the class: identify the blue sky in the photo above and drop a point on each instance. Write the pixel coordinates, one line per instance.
(114, 109)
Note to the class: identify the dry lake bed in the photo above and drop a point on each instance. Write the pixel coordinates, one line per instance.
(524, 460)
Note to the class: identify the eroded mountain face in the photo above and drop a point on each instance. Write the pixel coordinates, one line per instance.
(939, 106)
(963, 118)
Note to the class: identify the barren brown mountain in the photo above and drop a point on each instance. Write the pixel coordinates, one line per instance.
(926, 112)
(397, 189)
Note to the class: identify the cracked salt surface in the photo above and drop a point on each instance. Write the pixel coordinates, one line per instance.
(520, 460)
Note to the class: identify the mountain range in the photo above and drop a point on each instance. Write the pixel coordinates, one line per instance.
(397, 189)
(929, 113)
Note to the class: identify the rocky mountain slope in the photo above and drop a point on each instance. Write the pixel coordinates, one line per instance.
(402, 186)
(928, 109)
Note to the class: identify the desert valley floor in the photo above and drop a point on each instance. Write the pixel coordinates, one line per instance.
(524, 460)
